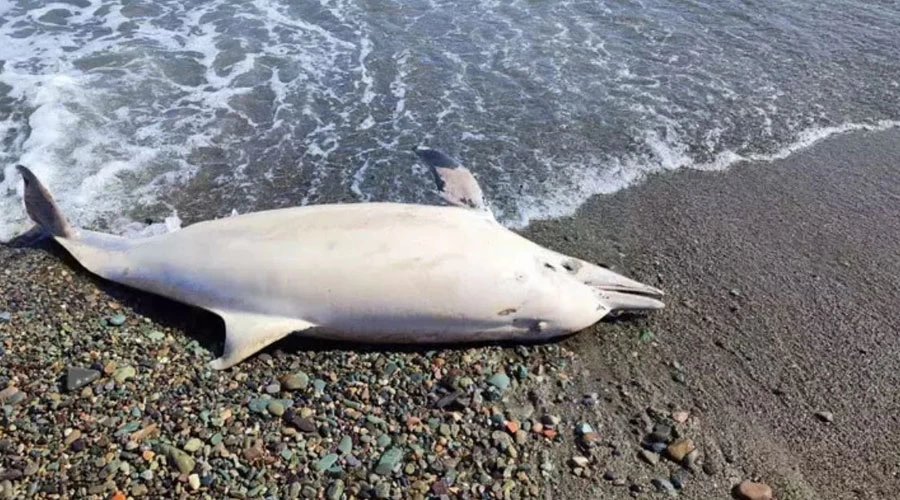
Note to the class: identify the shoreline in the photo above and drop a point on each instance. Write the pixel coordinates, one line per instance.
(779, 278)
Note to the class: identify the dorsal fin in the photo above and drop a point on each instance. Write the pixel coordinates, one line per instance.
(455, 183)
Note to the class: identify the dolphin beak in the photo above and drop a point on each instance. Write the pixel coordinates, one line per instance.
(621, 293)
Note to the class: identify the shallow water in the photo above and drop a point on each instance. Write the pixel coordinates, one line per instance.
(135, 110)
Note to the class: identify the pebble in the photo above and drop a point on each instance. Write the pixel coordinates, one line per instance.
(680, 416)
(124, 373)
(499, 380)
(5, 317)
(273, 388)
(276, 408)
(346, 445)
(580, 461)
(677, 480)
(326, 462)
(336, 490)
(8, 393)
(610, 475)
(304, 424)
(182, 461)
(117, 320)
(72, 437)
(680, 449)
(656, 447)
(297, 381)
(749, 490)
(825, 416)
(193, 445)
(78, 445)
(389, 461)
(194, 481)
(156, 335)
(649, 457)
(661, 433)
(690, 461)
(664, 486)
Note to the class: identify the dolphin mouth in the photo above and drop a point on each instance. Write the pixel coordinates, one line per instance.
(639, 291)
(629, 297)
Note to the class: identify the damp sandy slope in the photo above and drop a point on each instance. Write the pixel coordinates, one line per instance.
(784, 285)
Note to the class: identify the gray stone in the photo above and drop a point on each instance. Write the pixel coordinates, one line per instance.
(76, 378)
(649, 457)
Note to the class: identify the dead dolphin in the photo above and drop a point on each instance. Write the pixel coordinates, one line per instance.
(366, 272)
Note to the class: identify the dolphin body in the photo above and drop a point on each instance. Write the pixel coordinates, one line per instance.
(367, 272)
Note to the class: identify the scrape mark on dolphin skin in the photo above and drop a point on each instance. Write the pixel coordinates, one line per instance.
(549, 266)
(506, 312)
(532, 325)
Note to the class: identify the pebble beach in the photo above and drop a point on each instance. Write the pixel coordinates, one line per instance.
(771, 373)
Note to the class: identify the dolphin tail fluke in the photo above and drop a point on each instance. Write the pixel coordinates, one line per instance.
(42, 208)
(99, 253)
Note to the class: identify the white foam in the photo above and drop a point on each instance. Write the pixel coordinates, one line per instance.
(603, 176)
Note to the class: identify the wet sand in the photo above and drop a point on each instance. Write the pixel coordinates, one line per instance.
(783, 283)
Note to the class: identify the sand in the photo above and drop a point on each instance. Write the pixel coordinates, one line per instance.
(783, 283)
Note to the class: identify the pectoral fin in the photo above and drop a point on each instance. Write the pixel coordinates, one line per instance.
(247, 334)
(455, 183)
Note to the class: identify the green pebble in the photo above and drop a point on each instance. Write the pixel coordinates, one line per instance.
(124, 373)
(216, 439)
(499, 380)
(156, 336)
(287, 454)
(259, 405)
(346, 445)
(353, 404)
(182, 461)
(389, 461)
(276, 408)
(372, 419)
(319, 385)
(336, 490)
(117, 320)
(383, 441)
(326, 462)
(193, 445)
(445, 430)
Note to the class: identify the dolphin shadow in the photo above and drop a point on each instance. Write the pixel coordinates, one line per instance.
(208, 329)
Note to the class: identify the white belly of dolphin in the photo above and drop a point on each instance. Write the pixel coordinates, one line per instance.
(369, 272)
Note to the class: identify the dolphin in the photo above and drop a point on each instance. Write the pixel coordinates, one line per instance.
(364, 272)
